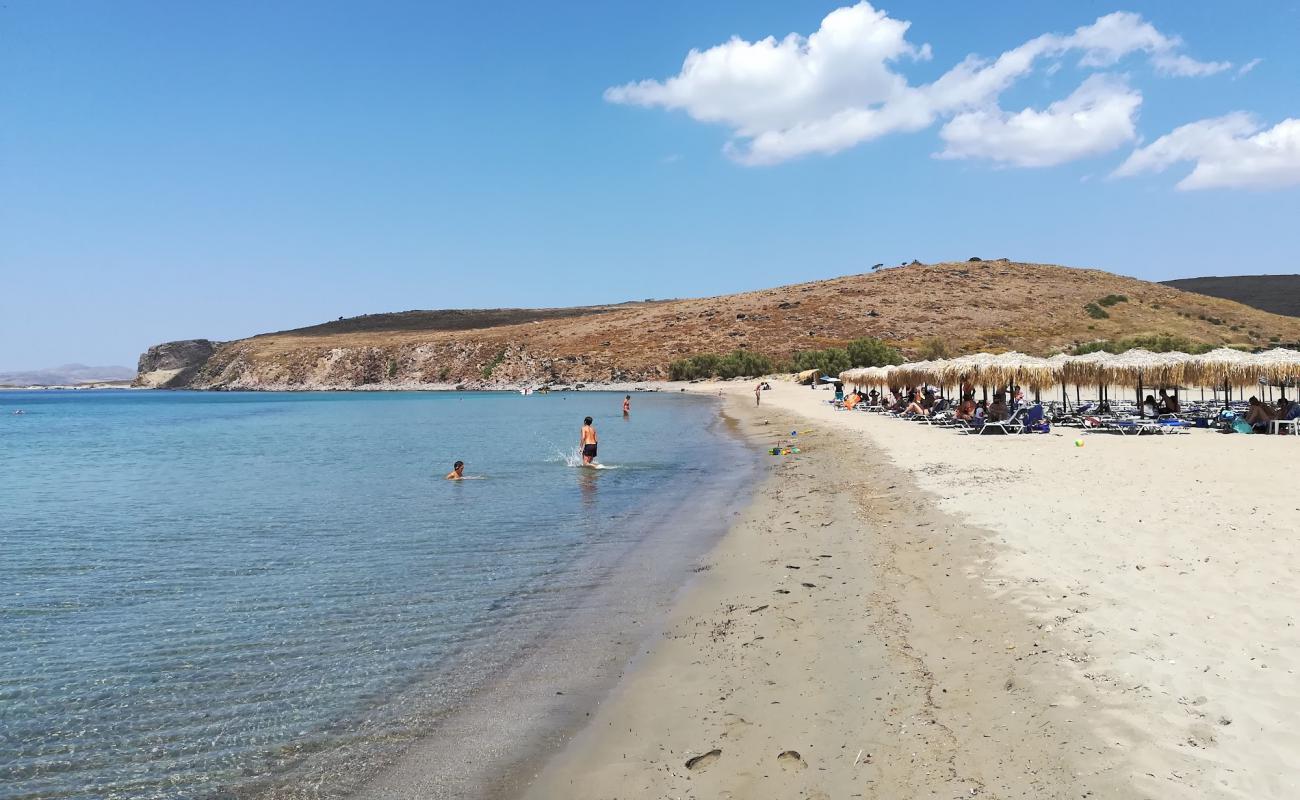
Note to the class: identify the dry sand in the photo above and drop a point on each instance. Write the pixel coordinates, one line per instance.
(906, 612)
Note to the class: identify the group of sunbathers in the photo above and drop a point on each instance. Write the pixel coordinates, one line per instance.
(922, 401)
(1260, 415)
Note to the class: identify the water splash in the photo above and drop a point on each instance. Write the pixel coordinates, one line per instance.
(570, 458)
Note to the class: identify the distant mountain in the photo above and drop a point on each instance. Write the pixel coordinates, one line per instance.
(1278, 294)
(66, 375)
(969, 306)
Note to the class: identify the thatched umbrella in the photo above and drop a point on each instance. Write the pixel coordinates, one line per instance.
(1057, 364)
(1138, 367)
(1280, 366)
(1227, 367)
(866, 376)
(1088, 369)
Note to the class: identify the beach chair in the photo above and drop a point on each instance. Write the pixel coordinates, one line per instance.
(1033, 418)
(1012, 424)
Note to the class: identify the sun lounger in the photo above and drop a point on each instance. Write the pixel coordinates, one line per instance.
(1013, 424)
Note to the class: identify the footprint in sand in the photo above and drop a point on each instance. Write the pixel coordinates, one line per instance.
(735, 725)
(791, 760)
(700, 762)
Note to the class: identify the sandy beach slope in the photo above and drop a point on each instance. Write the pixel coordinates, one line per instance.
(905, 612)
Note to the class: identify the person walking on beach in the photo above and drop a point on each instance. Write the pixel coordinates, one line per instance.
(588, 443)
(627, 404)
(758, 397)
(457, 472)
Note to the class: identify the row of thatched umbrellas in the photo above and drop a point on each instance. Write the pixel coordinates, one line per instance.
(1223, 367)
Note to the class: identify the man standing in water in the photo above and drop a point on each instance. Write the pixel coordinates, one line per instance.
(588, 443)
(627, 404)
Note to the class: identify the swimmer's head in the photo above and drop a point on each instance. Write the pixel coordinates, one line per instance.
(458, 465)
(586, 421)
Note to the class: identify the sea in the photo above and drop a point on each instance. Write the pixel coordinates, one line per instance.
(214, 595)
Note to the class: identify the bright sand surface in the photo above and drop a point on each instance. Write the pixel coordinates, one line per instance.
(907, 612)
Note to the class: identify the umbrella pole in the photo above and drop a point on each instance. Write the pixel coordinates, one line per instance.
(1227, 395)
(1142, 412)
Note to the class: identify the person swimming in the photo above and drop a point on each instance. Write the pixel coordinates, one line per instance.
(589, 443)
(457, 472)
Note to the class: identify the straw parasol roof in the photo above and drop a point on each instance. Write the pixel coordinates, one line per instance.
(1143, 366)
(1085, 369)
(867, 376)
(1000, 369)
(917, 373)
(1279, 365)
(1225, 365)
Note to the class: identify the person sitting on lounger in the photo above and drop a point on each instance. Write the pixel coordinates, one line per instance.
(917, 406)
(998, 408)
(966, 409)
(1149, 408)
(1259, 415)
(1168, 403)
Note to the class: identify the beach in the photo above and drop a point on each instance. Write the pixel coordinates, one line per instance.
(906, 612)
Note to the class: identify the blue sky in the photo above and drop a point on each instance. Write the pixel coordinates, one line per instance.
(174, 170)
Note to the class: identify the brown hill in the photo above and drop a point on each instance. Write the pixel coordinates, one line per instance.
(1276, 294)
(974, 305)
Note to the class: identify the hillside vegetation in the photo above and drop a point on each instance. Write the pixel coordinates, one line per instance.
(922, 310)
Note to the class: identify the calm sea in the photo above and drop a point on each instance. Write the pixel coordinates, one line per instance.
(202, 594)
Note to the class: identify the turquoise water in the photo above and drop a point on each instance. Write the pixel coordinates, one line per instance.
(203, 592)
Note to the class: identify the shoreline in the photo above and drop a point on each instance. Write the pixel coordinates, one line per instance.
(493, 741)
(992, 623)
(823, 632)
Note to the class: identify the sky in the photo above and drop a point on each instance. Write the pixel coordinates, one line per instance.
(181, 170)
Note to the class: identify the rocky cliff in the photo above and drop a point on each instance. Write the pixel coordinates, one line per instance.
(173, 364)
(969, 306)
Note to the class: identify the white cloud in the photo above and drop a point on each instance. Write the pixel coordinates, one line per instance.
(772, 85)
(840, 86)
(1248, 66)
(1096, 118)
(1116, 35)
(1230, 152)
(1182, 66)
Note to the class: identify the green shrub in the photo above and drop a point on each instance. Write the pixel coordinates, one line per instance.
(392, 368)
(1112, 299)
(493, 364)
(933, 349)
(737, 364)
(831, 361)
(1095, 311)
(1156, 343)
(872, 353)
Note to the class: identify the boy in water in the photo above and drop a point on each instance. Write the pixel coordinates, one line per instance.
(627, 404)
(588, 443)
(457, 472)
